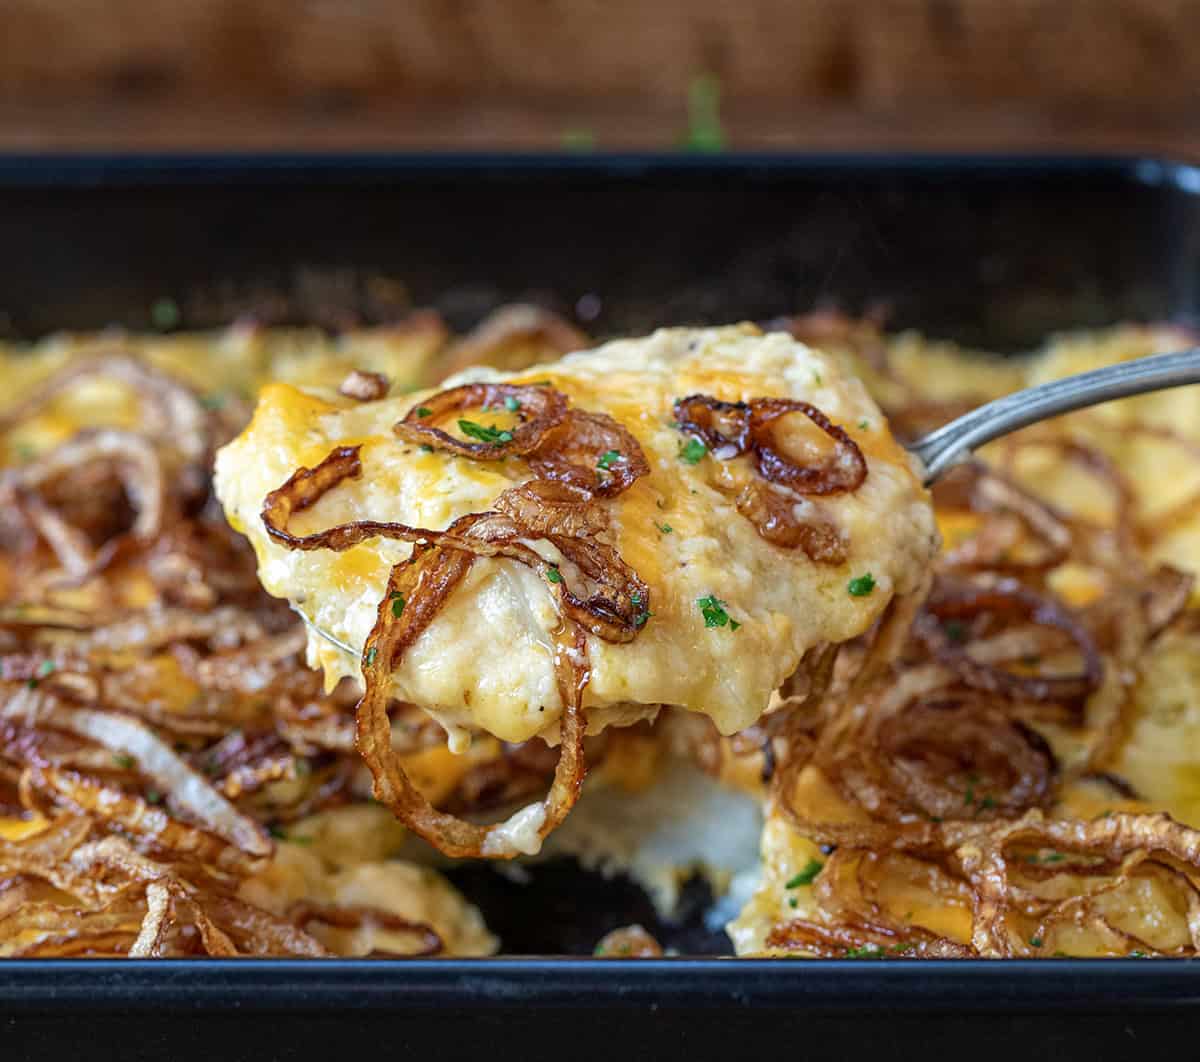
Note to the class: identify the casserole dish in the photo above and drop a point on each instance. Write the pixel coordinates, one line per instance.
(988, 251)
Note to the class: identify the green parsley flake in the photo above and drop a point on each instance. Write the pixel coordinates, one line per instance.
(484, 433)
(153, 796)
(397, 605)
(165, 314)
(793, 902)
(278, 832)
(425, 448)
(861, 585)
(424, 411)
(123, 761)
(511, 404)
(608, 459)
(554, 575)
(691, 452)
(807, 876)
(713, 611)
(955, 630)
(582, 140)
(864, 425)
(704, 132)
(868, 951)
(663, 529)
(1035, 942)
(371, 654)
(215, 400)
(43, 669)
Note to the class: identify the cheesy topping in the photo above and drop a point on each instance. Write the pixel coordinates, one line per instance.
(487, 661)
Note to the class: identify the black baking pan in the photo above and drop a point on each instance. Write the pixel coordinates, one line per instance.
(989, 251)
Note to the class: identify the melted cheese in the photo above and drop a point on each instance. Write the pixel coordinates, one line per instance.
(486, 662)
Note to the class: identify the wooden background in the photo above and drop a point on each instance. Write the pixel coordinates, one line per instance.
(871, 74)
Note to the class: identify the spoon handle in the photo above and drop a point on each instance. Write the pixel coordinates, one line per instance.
(940, 450)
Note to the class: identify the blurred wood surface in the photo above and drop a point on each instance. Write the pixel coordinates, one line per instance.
(1105, 75)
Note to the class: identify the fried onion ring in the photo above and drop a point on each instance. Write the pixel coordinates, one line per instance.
(844, 470)
(541, 410)
(955, 600)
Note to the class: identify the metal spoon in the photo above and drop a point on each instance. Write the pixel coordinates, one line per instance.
(942, 449)
(952, 443)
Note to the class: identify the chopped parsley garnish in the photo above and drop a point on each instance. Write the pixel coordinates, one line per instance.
(484, 433)
(793, 902)
(1137, 954)
(43, 669)
(153, 796)
(579, 139)
(278, 832)
(817, 378)
(511, 404)
(955, 630)
(807, 876)
(986, 804)
(608, 459)
(371, 654)
(214, 400)
(972, 781)
(165, 314)
(425, 448)
(861, 585)
(424, 411)
(554, 575)
(864, 424)
(691, 452)
(704, 131)
(868, 951)
(397, 600)
(123, 761)
(713, 611)
(1052, 857)
(1035, 942)
(663, 529)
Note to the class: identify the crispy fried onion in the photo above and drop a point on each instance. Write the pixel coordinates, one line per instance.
(129, 741)
(170, 411)
(539, 410)
(366, 922)
(860, 925)
(136, 466)
(592, 452)
(120, 902)
(424, 585)
(916, 749)
(1011, 517)
(597, 593)
(732, 428)
(615, 611)
(790, 522)
(629, 942)
(958, 602)
(1028, 880)
(775, 507)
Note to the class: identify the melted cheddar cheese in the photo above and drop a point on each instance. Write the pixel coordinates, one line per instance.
(486, 663)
